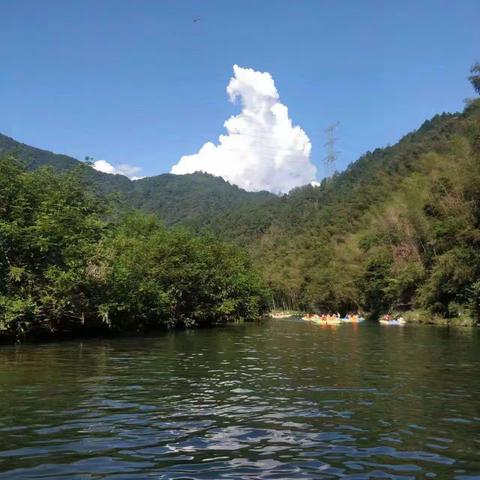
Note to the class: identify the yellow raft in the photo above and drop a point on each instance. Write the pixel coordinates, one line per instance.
(322, 321)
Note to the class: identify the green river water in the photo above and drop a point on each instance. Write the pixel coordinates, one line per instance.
(279, 399)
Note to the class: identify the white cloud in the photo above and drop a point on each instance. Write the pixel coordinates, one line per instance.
(103, 166)
(262, 149)
(122, 169)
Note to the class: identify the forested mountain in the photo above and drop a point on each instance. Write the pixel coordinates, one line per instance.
(195, 200)
(34, 158)
(399, 229)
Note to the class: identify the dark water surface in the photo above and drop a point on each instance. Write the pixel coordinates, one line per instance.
(282, 399)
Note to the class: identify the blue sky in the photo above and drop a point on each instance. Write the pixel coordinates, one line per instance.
(141, 82)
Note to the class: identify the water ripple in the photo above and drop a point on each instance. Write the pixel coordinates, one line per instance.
(275, 400)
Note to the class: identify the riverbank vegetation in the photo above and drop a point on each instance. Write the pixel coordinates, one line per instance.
(68, 265)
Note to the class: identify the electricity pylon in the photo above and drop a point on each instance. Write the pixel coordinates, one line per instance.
(331, 157)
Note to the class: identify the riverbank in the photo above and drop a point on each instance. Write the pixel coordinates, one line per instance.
(411, 316)
(103, 332)
(423, 317)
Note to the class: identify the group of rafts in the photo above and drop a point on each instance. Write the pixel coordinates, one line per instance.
(332, 319)
(335, 319)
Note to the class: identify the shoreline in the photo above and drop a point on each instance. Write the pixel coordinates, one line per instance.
(410, 317)
(38, 337)
(424, 318)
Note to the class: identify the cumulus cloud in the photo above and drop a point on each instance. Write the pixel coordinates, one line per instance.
(262, 149)
(129, 171)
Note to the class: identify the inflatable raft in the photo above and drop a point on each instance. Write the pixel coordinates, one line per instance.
(398, 321)
(322, 321)
(353, 320)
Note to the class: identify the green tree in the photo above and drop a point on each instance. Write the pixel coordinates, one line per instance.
(151, 276)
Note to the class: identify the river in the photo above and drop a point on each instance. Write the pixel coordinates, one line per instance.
(278, 399)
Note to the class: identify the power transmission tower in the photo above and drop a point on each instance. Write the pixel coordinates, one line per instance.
(331, 156)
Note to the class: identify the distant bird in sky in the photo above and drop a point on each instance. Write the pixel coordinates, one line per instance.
(196, 19)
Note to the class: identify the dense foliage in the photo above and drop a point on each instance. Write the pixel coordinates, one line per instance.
(64, 268)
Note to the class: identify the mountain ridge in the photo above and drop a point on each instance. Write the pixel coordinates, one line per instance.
(194, 199)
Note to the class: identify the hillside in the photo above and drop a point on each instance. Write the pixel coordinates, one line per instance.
(34, 158)
(398, 229)
(195, 200)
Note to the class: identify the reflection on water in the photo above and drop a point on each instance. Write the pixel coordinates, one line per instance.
(284, 399)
